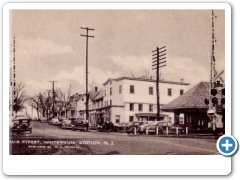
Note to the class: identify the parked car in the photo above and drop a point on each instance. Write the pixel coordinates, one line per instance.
(80, 125)
(134, 124)
(171, 127)
(55, 121)
(122, 127)
(107, 126)
(142, 129)
(21, 123)
(66, 124)
(153, 127)
(43, 120)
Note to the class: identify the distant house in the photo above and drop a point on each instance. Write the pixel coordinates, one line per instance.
(192, 105)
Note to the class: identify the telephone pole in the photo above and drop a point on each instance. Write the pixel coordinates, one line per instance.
(87, 95)
(48, 102)
(159, 58)
(53, 91)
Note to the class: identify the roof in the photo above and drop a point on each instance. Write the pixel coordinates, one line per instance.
(100, 95)
(141, 79)
(92, 94)
(193, 98)
(21, 117)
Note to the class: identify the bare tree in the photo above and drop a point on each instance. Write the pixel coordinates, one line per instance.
(64, 98)
(34, 102)
(20, 98)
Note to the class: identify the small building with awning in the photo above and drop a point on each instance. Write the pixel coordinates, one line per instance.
(192, 105)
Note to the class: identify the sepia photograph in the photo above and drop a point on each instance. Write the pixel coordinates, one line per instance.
(116, 81)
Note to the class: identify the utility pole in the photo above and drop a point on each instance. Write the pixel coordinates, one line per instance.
(53, 91)
(159, 58)
(48, 102)
(87, 95)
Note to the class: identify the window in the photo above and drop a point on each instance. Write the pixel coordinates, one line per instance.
(130, 118)
(117, 118)
(150, 108)
(110, 102)
(151, 90)
(181, 91)
(131, 89)
(120, 89)
(169, 92)
(110, 91)
(140, 107)
(110, 82)
(131, 108)
(82, 99)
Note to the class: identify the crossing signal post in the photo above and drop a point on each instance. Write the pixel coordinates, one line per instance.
(158, 61)
(217, 111)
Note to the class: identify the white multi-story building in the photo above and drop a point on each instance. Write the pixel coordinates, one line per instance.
(133, 99)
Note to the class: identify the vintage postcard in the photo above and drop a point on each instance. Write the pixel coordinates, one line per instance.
(117, 81)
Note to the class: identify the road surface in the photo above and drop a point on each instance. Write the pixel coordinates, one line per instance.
(45, 137)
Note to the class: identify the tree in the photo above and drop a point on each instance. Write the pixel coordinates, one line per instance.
(19, 98)
(64, 98)
(34, 102)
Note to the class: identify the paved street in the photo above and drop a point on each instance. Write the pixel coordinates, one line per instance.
(94, 142)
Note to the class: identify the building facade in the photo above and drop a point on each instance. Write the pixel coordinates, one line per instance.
(133, 99)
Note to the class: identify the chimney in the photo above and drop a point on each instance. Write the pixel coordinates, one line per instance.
(96, 89)
(182, 80)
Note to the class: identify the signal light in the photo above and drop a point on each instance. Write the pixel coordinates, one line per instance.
(223, 91)
(214, 100)
(223, 101)
(213, 92)
(206, 101)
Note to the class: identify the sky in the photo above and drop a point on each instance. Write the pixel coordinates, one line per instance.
(49, 46)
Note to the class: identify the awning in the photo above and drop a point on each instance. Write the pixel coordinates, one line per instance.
(150, 114)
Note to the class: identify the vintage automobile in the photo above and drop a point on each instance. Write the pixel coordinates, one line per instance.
(55, 121)
(66, 124)
(43, 120)
(122, 127)
(132, 125)
(172, 128)
(80, 125)
(153, 127)
(107, 127)
(21, 123)
(142, 129)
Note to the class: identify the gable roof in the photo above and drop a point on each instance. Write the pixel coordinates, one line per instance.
(100, 95)
(193, 98)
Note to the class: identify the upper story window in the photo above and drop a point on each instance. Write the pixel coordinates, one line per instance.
(110, 82)
(151, 90)
(110, 102)
(120, 89)
(131, 107)
(131, 89)
(169, 92)
(82, 99)
(150, 108)
(110, 91)
(140, 107)
(181, 91)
